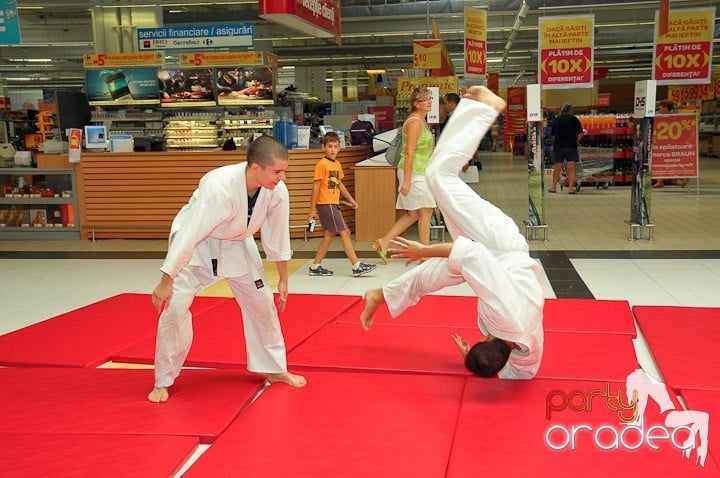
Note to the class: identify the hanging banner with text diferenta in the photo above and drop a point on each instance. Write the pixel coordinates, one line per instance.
(565, 58)
(475, 41)
(684, 54)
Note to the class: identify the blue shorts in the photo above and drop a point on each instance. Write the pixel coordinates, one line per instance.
(331, 217)
(565, 153)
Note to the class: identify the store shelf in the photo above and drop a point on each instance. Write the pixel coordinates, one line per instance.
(241, 127)
(38, 204)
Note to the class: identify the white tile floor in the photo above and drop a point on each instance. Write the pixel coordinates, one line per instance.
(32, 290)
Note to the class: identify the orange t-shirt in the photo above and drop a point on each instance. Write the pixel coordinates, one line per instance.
(330, 174)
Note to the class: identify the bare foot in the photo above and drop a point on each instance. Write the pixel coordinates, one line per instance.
(287, 378)
(158, 395)
(373, 299)
(484, 95)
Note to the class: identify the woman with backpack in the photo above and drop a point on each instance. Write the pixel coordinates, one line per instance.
(415, 196)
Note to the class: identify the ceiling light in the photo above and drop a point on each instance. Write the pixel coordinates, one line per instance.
(31, 60)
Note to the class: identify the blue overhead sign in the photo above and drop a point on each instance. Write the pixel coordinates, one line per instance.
(9, 24)
(196, 37)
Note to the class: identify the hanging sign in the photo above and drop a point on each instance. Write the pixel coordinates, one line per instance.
(692, 93)
(565, 59)
(319, 18)
(427, 54)
(684, 54)
(221, 58)
(109, 60)
(196, 37)
(675, 146)
(447, 84)
(9, 24)
(475, 41)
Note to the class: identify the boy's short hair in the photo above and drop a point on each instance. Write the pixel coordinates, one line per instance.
(330, 136)
(265, 150)
(487, 358)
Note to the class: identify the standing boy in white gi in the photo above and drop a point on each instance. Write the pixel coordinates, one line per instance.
(488, 253)
(216, 227)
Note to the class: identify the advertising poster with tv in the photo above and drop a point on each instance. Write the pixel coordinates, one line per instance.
(245, 85)
(122, 86)
(186, 87)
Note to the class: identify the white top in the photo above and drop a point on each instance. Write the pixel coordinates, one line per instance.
(214, 225)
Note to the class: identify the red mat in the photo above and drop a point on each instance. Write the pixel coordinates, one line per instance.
(58, 455)
(682, 341)
(588, 315)
(111, 401)
(707, 401)
(430, 350)
(219, 340)
(561, 315)
(580, 356)
(88, 336)
(502, 430)
(342, 425)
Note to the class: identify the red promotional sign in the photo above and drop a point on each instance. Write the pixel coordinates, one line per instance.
(565, 59)
(683, 55)
(516, 98)
(603, 99)
(384, 117)
(320, 18)
(493, 82)
(475, 41)
(675, 147)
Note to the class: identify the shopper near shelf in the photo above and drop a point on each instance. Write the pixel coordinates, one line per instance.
(449, 103)
(415, 197)
(567, 132)
(488, 253)
(325, 205)
(666, 107)
(211, 237)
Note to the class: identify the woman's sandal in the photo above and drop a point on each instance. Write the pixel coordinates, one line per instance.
(380, 251)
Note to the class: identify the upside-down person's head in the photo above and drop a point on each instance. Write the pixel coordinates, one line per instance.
(488, 357)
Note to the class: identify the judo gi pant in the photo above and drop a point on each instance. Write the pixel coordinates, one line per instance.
(264, 341)
(465, 214)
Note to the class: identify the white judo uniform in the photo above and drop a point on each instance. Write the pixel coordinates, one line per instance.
(488, 253)
(214, 225)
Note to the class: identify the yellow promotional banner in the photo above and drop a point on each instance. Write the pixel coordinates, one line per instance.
(692, 93)
(475, 41)
(684, 54)
(221, 58)
(106, 60)
(446, 84)
(565, 59)
(427, 53)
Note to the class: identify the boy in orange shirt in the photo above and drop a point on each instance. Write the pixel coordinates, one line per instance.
(325, 204)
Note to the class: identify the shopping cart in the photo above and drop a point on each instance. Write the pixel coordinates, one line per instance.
(595, 167)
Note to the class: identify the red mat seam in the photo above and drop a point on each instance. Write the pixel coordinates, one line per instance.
(332, 319)
(457, 421)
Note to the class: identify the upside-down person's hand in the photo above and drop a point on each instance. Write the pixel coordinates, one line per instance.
(411, 250)
(462, 344)
(282, 296)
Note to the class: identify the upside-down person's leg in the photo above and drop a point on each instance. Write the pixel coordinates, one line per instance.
(465, 213)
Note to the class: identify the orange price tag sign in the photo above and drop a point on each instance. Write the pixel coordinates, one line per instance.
(427, 53)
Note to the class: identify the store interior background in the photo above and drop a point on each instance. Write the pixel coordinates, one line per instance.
(588, 252)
